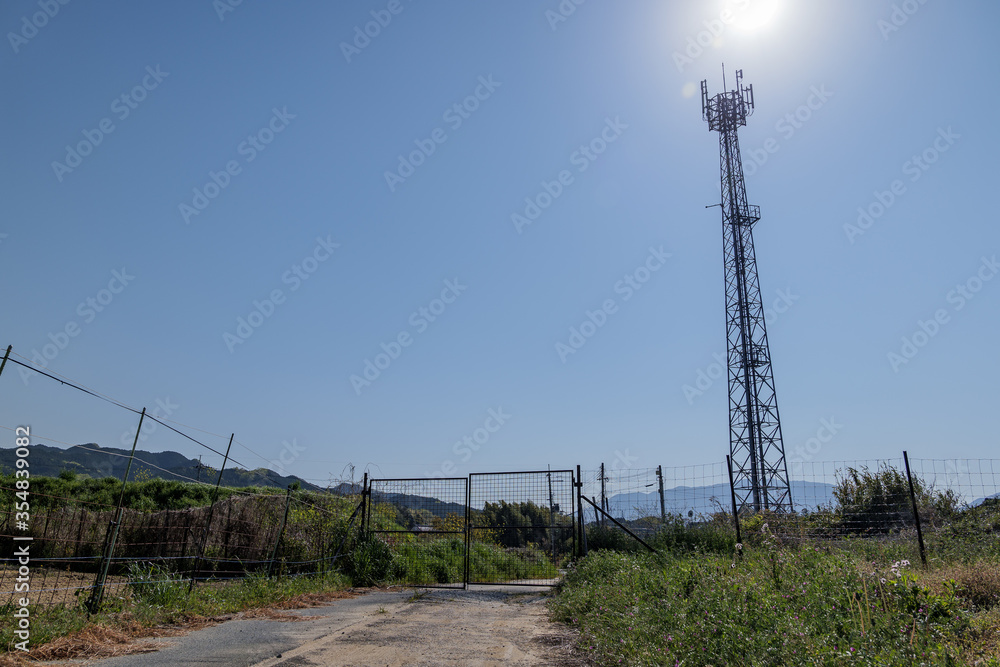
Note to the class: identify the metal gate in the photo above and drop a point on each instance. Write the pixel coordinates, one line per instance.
(424, 522)
(512, 528)
(521, 526)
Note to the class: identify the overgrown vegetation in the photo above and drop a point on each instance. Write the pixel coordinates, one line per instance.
(787, 606)
(70, 490)
(416, 560)
(860, 598)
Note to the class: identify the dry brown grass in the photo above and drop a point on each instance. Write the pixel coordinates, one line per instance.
(96, 641)
(977, 583)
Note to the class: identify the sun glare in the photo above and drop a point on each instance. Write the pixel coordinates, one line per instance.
(752, 15)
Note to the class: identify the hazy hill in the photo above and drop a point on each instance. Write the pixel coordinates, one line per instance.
(111, 462)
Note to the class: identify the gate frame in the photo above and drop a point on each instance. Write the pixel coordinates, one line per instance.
(574, 514)
(368, 519)
(575, 519)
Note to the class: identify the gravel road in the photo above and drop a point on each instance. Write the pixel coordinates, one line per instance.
(478, 627)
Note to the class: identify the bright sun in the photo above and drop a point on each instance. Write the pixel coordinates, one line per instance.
(752, 15)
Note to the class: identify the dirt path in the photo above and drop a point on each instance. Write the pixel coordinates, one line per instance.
(483, 627)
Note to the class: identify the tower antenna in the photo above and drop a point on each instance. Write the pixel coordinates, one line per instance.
(755, 445)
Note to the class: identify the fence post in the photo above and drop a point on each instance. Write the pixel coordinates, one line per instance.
(97, 595)
(604, 497)
(211, 511)
(468, 532)
(916, 513)
(552, 517)
(365, 514)
(732, 493)
(281, 531)
(663, 507)
(582, 548)
(347, 532)
(5, 356)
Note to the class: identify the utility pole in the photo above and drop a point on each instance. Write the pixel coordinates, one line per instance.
(755, 444)
(199, 468)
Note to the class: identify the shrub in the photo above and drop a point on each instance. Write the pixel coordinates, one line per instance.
(152, 584)
(371, 561)
(879, 501)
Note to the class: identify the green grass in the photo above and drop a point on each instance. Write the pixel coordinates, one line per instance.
(413, 561)
(780, 605)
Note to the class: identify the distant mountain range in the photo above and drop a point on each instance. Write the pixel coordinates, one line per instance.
(96, 461)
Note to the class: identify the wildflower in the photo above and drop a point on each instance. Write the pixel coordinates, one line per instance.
(739, 547)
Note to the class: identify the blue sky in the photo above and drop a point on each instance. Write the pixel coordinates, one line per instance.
(217, 159)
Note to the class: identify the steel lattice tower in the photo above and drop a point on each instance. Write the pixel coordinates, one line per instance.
(760, 474)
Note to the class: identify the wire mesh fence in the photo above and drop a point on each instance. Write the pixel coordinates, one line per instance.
(424, 523)
(521, 526)
(833, 501)
(634, 494)
(278, 534)
(63, 553)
